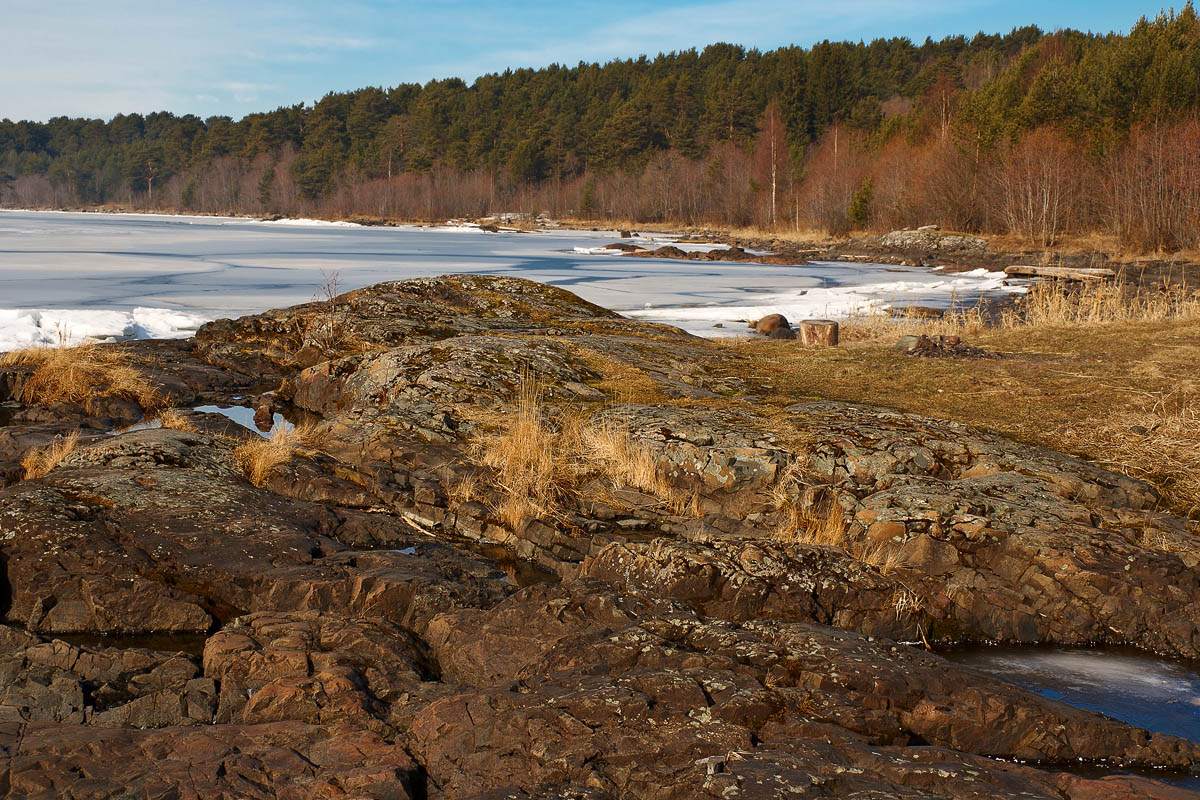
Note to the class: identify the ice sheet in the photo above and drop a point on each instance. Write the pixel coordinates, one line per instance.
(108, 275)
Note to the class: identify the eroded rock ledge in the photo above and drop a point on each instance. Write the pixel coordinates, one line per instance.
(709, 602)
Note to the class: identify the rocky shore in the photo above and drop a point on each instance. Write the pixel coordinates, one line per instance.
(960, 252)
(709, 597)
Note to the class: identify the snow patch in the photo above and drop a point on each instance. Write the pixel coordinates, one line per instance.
(311, 223)
(825, 302)
(22, 327)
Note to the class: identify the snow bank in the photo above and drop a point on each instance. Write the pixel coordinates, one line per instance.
(40, 327)
(311, 223)
(597, 251)
(826, 303)
(654, 243)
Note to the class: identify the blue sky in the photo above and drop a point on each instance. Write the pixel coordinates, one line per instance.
(224, 57)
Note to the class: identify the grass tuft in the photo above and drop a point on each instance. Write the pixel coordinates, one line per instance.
(80, 374)
(259, 456)
(1056, 304)
(806, 513)
(40, 460)
(1158, 442)
(525, 457)
(174, 419)
(1059, 304)
(538, 459)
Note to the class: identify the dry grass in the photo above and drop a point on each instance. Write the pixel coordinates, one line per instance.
(465, 490)
(538, 458)
(174, 419)
(883, 556)
(813, 515)
(80, 374)
(805, 518)
(259, 456)
(1079, 389)
(1158, 442)
(626, 463)
(621, 381)
(1047, 305)
(526, 460)
(40, 460)
(1084, 242)
(1101, 303)
(883, 327)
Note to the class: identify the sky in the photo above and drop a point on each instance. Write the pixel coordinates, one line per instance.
(208, 57)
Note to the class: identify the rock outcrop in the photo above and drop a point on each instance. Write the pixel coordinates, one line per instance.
(709, 597)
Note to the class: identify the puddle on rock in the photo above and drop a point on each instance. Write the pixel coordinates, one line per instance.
(144, 425)
(244, 416)
(1154, 693)
(519, 571)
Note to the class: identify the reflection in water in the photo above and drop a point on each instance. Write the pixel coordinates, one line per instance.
(1152, 693)
(244, 416)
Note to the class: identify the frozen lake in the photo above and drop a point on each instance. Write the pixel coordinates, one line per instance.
(81, 275)
(1149, 692)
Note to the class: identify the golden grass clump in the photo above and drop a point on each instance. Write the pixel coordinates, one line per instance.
(40, 460)
(174, 419)
(538, 460)
(884, 326)
(1159, 444)
(1059, 304)
(526, 459)
(1056, 304)
(806, 513)
(80, 374)
(626, 463)
(623, 460)
(465, 489)
(258, 456)
(810, 517)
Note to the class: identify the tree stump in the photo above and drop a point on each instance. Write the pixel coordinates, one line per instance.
(819, 331)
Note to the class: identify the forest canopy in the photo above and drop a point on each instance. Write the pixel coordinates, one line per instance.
(838, 135)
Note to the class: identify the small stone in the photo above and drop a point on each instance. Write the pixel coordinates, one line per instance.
(782, 333)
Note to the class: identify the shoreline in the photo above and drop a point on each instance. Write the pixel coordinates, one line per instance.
(131, 259)
(996, 253)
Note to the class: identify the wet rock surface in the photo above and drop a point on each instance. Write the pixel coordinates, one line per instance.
(712, 604)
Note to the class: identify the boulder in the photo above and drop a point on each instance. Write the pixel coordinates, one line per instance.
(769, 324)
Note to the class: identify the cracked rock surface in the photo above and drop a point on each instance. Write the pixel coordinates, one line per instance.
(734, 618)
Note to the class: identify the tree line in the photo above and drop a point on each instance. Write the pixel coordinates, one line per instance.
(1032, 133)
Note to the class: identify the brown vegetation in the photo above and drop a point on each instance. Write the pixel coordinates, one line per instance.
(258, 456)
(1046, 305)
(174, 419)
(81, 374)
(526, 460)
(40, 460)
(538, 458)
(1081, 374)
(1041, 188)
